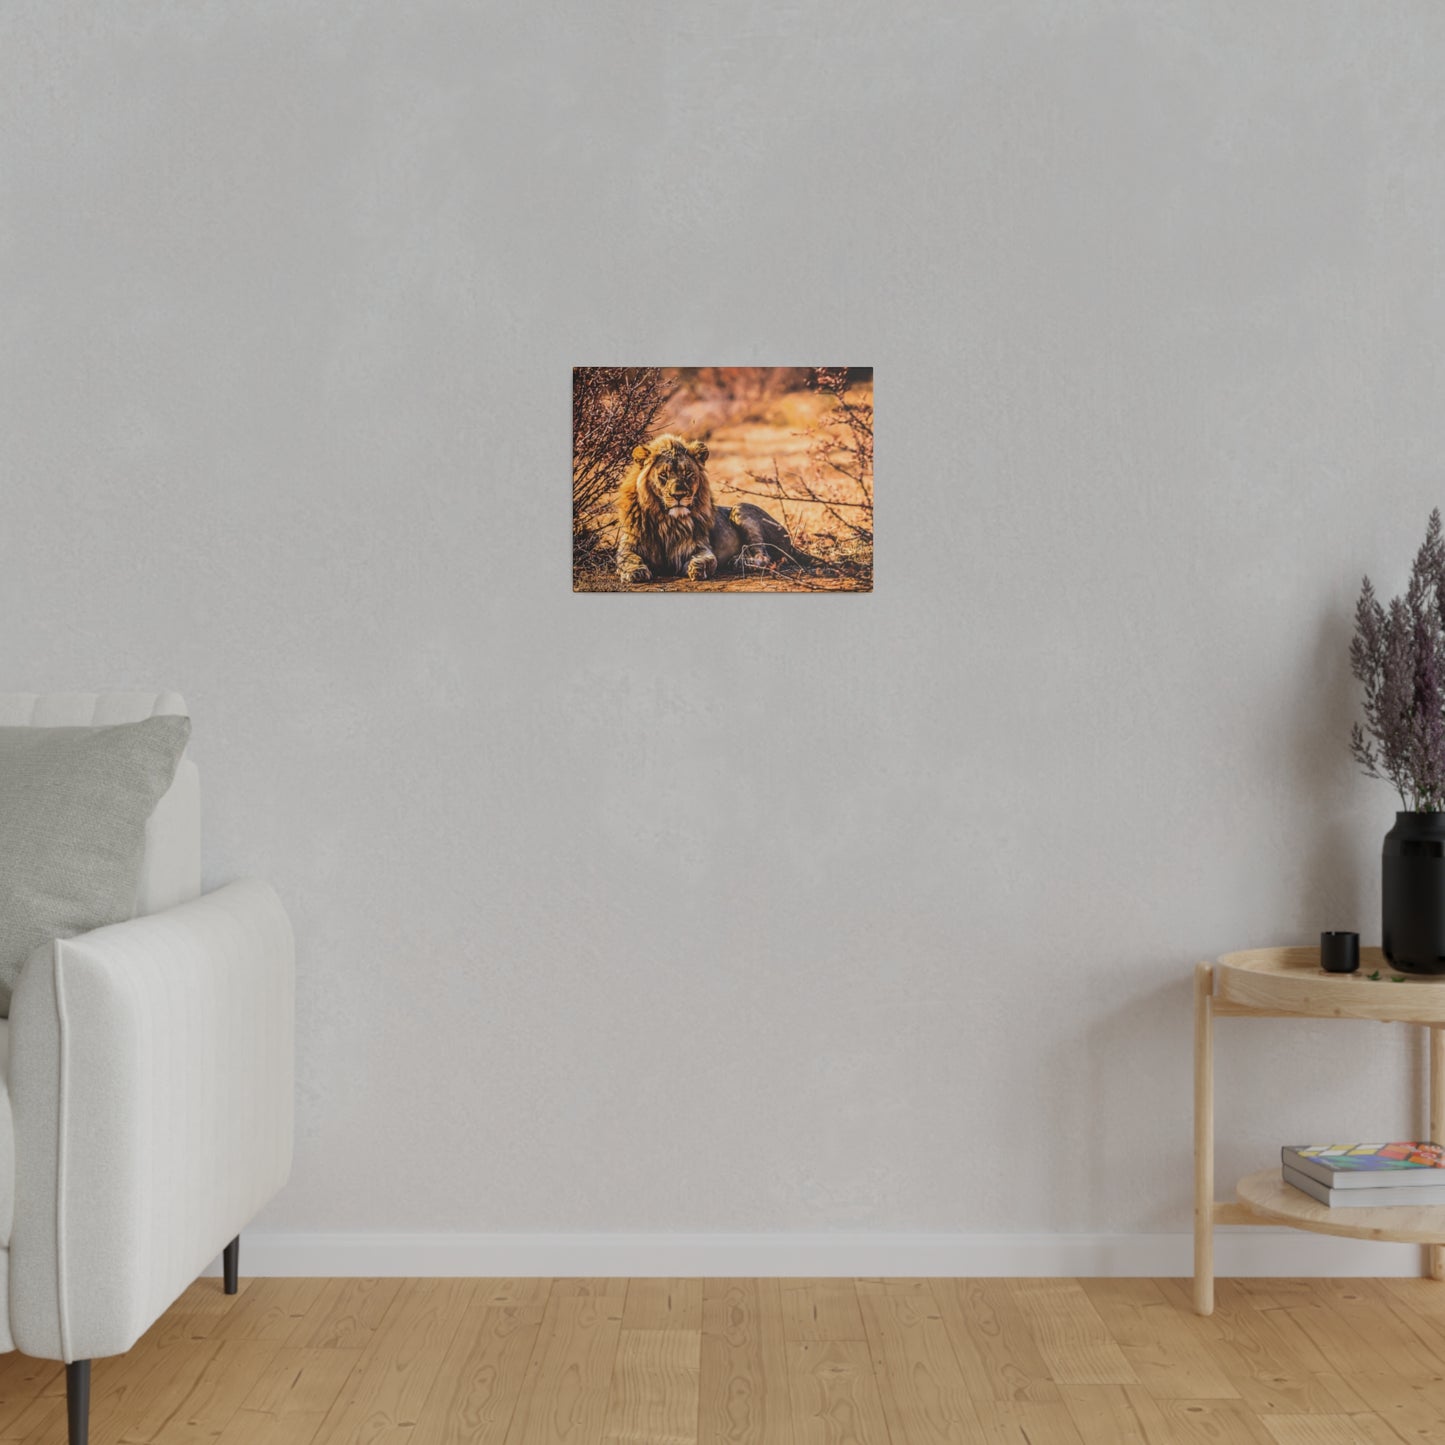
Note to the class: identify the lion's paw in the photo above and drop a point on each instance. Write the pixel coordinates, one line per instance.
(756, 557)
(635, 574)
(701, 568)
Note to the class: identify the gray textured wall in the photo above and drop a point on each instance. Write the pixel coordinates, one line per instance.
(743, 912)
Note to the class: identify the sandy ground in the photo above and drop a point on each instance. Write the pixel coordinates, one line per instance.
(773, 582)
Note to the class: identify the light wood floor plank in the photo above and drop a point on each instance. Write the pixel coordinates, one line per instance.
(1164, 1345)
(654, 1388)
(1330, 1430)
(1319, 1327)
(743, 1375)
(1270, 1377)
(1107, 1413)
(821, 1309)
(479, 1384)
(569, 1379)
(346, 1315)
(206, 1297)
(1418, 1295)
(834, 1394)
(43, 1416)
(178, 1368)
(1027, 1422)
(1358, 1305)
(44, 1421)
(513, 1291)
(595, 1288)
(1277, 1323)
(394, 1376)
(1276, 1293)
(663, 1304)
(995, 1348)
(1074, 1342)
(291, 1398)
(1421, 1312)
(892, 1286)
(229, 1376)
(925, 1397)
(22, 1381)
(1413, 1408)
(1205, 1422)
(271, 1309)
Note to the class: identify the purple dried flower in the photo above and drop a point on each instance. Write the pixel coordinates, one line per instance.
(1399, 656)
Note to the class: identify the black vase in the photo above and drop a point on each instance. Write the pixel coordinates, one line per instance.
(1414, 893)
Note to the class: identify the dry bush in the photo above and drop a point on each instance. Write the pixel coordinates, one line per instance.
(849, 454)
(614, 408)
(838, 478)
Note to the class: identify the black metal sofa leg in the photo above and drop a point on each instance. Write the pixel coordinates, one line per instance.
(231, 1264)
(77, 1401)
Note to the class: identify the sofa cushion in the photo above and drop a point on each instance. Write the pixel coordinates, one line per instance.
(171, 872)
(74, 802)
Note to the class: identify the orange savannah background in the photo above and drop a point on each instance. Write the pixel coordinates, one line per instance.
(722, 478)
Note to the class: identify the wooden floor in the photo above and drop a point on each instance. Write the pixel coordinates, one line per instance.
(766, 1362)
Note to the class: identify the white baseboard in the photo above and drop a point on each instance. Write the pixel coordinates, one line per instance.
(1247, 1252)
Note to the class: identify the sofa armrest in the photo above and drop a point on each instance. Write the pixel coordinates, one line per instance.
(151, 1081)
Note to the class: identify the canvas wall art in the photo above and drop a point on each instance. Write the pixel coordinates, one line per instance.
(722, 479)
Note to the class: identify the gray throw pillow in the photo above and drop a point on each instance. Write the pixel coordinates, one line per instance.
(74, 803)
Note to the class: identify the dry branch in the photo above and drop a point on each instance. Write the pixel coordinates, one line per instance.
(614, 408)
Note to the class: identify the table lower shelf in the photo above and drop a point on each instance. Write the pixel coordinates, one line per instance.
(1267, 1196)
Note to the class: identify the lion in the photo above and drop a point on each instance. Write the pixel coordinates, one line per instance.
(669, 526)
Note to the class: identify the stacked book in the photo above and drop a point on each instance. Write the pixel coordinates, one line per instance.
(1367, 1176)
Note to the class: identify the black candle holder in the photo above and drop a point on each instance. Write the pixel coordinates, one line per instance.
(1340, 952)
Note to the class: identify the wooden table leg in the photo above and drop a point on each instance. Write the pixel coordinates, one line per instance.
(1204, 1138)
(1435, 1253)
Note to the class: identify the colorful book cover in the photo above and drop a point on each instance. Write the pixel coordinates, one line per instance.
(1366, 1158)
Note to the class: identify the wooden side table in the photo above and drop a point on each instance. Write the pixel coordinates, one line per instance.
(1267, 983)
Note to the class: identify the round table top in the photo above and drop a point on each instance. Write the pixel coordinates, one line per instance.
(1291, 981)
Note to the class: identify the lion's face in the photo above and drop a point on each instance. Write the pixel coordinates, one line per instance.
(672, 472)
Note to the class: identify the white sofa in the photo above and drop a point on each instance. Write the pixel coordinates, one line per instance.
(148, 1079)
